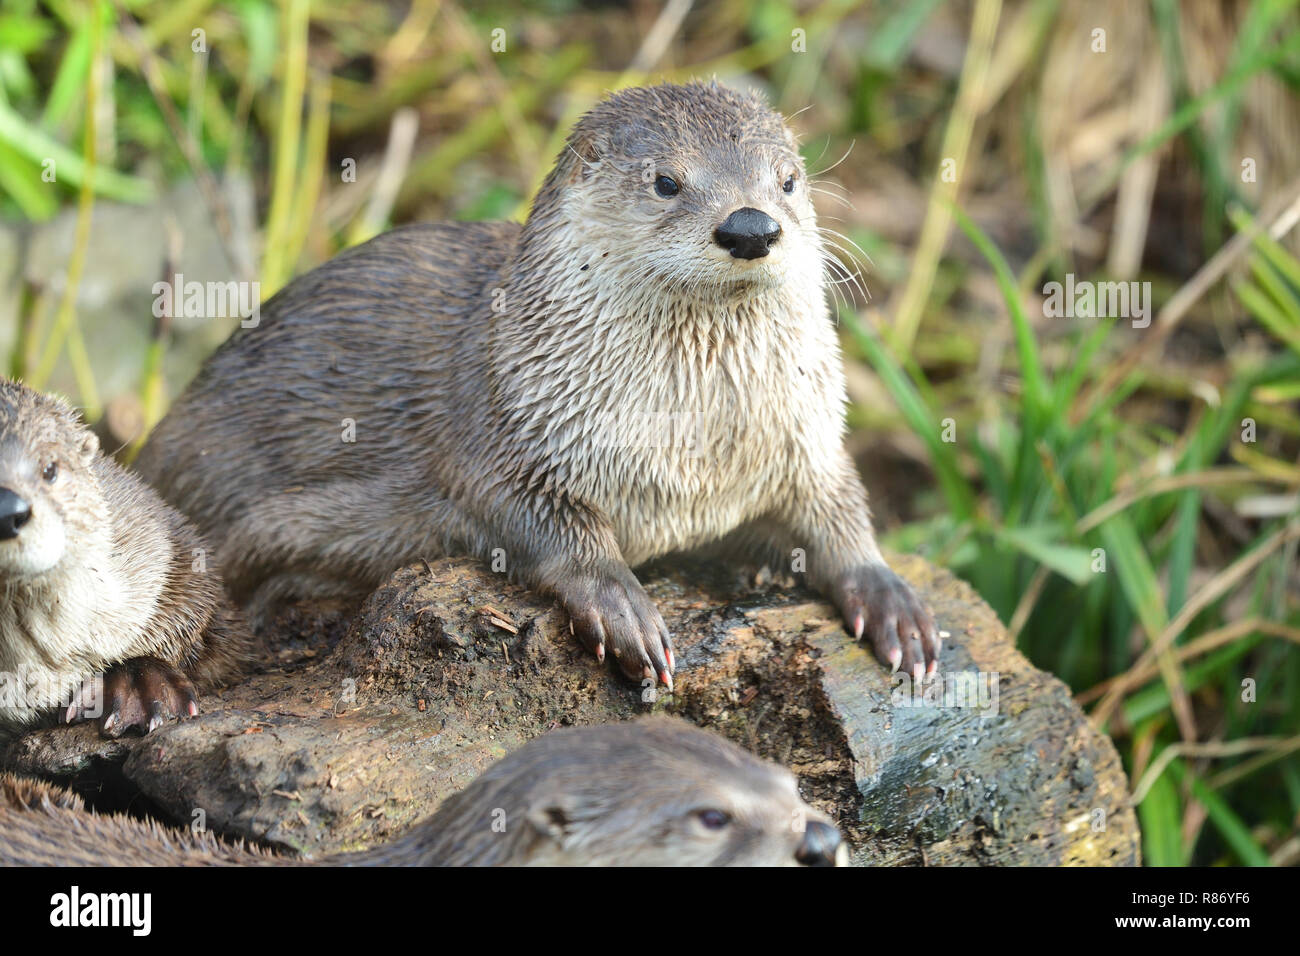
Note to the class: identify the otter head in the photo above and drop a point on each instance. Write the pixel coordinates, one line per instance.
(697, 188)
(47, 496)
(652, 792)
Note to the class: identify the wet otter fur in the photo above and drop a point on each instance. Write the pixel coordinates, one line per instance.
(646, 366)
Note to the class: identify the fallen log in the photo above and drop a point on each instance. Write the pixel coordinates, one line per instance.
(351, 733)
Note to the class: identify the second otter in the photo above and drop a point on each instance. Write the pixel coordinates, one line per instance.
(98, 579)
(575, 797)
(646, 366)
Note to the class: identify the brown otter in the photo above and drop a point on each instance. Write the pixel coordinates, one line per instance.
(647, 365)
(564, 799)
(99, 577)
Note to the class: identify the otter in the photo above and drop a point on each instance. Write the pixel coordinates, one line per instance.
(572, 797)
(647, 366)
(104, 612)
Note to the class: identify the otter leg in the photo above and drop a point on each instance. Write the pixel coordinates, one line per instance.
(228, 649)
(608, 608)
(567, 549)
(139, 693)
(833, 522)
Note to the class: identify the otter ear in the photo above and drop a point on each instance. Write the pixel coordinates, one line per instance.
(89, 447)
(791, 140)
(552, 818)
(588, 147)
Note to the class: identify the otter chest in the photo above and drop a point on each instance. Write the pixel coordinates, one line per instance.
(698, 451)
(52, 638)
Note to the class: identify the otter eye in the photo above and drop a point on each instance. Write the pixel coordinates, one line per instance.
(50, 471)
(666, 186)
(788, 185)
(713, 819)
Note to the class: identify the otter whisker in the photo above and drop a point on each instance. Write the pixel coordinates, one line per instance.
(844, 292)
(853, 281)
(828, 182)
(824, 185)
(846, 253)
(829, 238)
(856, 272)
(850, 241)
(825, 146)
(835, 196)
(837, 296)
(848, 276)
(822, 172)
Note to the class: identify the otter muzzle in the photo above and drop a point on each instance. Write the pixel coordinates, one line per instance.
(14, 513)
(821, 845)
(748, 233)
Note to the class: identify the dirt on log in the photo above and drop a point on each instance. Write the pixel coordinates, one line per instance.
(351, 733)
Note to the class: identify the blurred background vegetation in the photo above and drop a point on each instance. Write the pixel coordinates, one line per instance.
(1164, 148)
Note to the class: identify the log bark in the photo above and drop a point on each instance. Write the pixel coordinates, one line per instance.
(351, 733)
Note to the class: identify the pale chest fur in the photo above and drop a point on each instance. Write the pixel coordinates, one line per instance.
(683, 427)
(74, 623)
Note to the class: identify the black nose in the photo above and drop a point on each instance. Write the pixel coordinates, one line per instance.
(747, 233)
(14, 513)
(821, 843)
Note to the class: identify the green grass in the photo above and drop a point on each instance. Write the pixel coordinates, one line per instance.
(1014, 521)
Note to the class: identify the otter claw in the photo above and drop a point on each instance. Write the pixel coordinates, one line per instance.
(156, 716)
(611, 608)
(142, 693)
(880, 606)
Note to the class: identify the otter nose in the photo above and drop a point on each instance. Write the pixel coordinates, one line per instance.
(747, 233)
(14, 513)
(820, 846)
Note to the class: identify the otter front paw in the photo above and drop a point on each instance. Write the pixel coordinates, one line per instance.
(879, 604)
(138, 694)
(611, 609)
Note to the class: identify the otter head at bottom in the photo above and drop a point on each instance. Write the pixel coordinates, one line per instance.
(651, 792)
